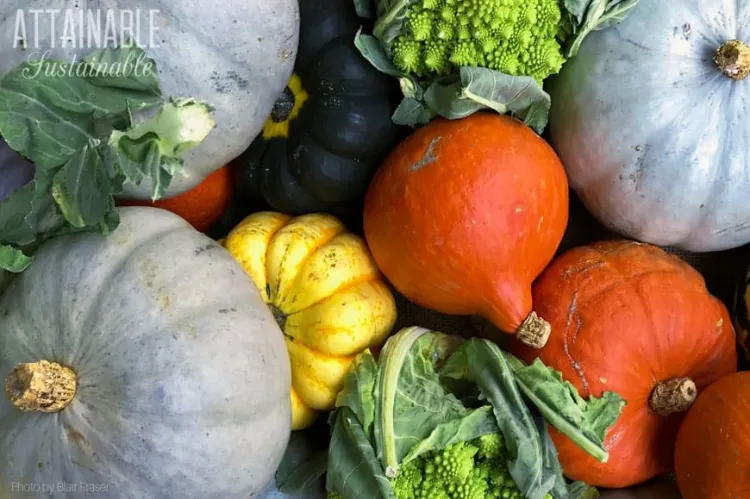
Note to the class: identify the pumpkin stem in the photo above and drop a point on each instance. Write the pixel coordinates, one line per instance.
(283, 106)
(733, 57)
(534, 331)
(279, 316)
(41, 387)
(672, 396)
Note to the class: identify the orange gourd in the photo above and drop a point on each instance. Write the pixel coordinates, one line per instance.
(712, 452)
(201, 206)
(464, 214)
(630, 318)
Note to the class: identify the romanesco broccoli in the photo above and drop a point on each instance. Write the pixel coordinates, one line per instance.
(466, 470)
(516, 37)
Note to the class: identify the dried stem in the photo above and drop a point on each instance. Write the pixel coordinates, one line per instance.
(42, 386)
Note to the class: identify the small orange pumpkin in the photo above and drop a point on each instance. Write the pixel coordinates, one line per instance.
(201, 206)
(464, 214)
(630, 318)
(712, 452)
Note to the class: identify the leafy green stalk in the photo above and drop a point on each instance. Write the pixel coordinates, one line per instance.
(584, 422)
(75, 123)
(593, 15)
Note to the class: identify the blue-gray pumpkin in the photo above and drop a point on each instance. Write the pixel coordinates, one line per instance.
(236, 55)
(144, 364)
(651, 121)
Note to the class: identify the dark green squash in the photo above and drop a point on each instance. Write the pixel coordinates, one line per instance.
(742, 313)
(330, 129)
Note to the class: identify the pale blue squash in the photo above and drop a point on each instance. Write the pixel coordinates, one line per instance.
(182, 374)
(654, 136)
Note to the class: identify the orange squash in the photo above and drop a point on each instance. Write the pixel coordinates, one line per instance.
(201, 206)
(464, 214)
(630, 318)
(712, 453)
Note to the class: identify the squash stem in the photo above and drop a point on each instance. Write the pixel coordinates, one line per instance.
(733, 58)
(42, 386)
(279, 316)
(534, 331)
(673, 396)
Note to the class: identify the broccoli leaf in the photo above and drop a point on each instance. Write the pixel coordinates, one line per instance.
(411, 111)
(358, 392)
(353, 468)
(74, 122)
(580, 490)
(485, 364)
(593, 15)
(550, 462)
(584, 422)
(390, 20)
(15, 259)
(372, 50)
(476, 423)
(410, 400)
(482, 88)
(297, 477)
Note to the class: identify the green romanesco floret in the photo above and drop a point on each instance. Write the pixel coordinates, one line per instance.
(466, 470)
(516, 37)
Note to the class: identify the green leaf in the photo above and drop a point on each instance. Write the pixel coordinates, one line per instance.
(410, 399)
(487, 366)
(82, 189)
(550, 462)
(391, 17)
(584, 422)
(580, 490)
(475, 424)
(481, 88)
(296, 478)
(353, 468)
(594, 15)
(372, 50)
(358, 392)
(47, 117)
(411, 112)
(13, 259)
(577, 8)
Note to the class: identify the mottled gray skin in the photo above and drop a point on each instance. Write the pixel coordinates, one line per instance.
(655, 139)
(184, 377)
(237, 55)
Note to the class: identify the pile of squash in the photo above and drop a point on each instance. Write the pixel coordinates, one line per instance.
(175, 356)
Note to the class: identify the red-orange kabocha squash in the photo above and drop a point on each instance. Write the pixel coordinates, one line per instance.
(712, 452)
(463, 215)
(630, 318)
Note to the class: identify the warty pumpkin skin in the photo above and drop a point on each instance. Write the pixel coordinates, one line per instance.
(651, 130)
(330, 128)
(630, 318)
(235, 55)
(180, 374)
(712, 448)
(463, 215)
(326, 293)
